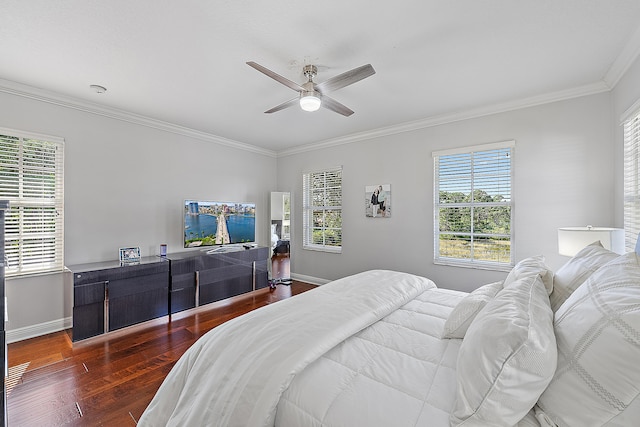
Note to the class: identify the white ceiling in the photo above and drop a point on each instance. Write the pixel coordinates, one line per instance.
(183, 63)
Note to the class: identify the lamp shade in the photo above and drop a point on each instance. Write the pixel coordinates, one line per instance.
(572, 239)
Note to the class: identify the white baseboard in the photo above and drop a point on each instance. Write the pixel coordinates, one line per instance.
(309, 279)
(40, 329)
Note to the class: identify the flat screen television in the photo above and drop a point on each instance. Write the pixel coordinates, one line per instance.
(209, 223)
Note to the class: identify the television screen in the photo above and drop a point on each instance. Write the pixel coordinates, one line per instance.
(218, 223)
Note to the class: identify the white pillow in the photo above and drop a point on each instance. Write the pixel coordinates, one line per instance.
(507, 357)
(530, 267)
(577, 270)
(463, 314)
(598, 335)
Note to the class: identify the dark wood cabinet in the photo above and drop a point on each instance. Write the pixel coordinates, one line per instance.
(89, 310)
(199, 278)
(109, 295)
(139, 298)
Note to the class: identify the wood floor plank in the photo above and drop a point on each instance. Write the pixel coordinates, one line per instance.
(51, 370)
(111, 379)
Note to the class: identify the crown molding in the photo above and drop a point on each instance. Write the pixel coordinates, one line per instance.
(624, 61)
(576, 92)
(18, 89)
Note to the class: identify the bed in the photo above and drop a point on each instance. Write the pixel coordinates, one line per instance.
(385, 348)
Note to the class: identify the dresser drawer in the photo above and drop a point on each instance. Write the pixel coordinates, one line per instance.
(138, 285)
(183, 281)
(89, 293)
(119, 273)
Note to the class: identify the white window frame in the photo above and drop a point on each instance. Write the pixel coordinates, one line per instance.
(631, 128)
(34, 186)
(472, 261)
(322, 207)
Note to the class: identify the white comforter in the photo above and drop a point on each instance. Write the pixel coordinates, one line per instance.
(397, 372)
(236, 373)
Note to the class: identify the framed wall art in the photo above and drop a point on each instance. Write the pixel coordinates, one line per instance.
(377, 201)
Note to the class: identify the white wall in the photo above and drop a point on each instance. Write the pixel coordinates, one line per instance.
(564, 176)
(124, 186)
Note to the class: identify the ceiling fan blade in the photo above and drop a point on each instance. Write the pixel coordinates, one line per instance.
(284, 105)
(334, 105)
(345, 79)
(276, 76)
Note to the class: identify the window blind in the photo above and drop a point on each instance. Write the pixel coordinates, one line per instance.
(632, 180)
(31, 179)
(322, 206)
(473, 207)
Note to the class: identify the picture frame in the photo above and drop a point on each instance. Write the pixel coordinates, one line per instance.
(377, 206)
(129, 255)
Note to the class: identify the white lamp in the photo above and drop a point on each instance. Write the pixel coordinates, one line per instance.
(309, 101)
(572, 239)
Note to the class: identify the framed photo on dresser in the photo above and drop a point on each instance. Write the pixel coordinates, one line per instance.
(129, 255)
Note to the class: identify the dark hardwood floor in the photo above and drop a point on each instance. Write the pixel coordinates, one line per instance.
(110, 380)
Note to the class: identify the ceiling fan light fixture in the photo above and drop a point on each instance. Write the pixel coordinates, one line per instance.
(312, 96)
(310, 102)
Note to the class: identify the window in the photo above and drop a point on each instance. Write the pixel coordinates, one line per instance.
(473, 207)
(632, 180)
(322, 210)
(31, 179)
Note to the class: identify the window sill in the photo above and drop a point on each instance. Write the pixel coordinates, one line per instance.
(328, 249)
(474, 265)
(35, 274)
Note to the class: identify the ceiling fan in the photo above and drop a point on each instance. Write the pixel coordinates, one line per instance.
(312, 95)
